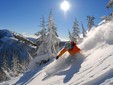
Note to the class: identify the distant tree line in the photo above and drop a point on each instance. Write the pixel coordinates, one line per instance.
(75, 35)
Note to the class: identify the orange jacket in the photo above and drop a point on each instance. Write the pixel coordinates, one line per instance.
(72, 51)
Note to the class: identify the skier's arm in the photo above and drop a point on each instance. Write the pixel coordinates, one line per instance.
(61, 53)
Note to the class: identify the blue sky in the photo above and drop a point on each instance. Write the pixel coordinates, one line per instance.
(23, 16)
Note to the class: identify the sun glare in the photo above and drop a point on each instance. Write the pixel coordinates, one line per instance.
(65, 5)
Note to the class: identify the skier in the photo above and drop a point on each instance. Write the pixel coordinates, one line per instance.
(71, 47)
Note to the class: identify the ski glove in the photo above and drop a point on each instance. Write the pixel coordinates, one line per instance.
(57, 57)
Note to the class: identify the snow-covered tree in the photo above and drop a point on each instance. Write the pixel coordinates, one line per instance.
(74, 36)
(110, 4)
(7, 75)
(52, 36)
(42, 33)
(42, 49)
(22, 68)
(2, 75)
(49, 43)
(15, 64)
(83, 30)
(5, 62)
(76, 29)
(71, 37)
(90, 22)
(6, 66)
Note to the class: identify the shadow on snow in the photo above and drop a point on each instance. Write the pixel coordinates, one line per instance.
(30, 75)
(74, 68)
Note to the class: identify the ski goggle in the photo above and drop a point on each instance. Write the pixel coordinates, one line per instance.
(68, 46)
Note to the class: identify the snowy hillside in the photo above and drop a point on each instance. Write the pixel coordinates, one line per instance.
(14, 55)
(93, 67)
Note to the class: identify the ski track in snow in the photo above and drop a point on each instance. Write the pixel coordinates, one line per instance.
(88, 71)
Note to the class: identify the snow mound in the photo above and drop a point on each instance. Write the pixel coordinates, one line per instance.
(34, 63)
(102, 34)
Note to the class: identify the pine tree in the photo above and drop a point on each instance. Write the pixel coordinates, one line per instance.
(7, 75)
(110, 4)
(42, 33)
(24, 66)
(2, 75)
(90, 22)
(5, 68)
(15, 63)
(83, 30)
(71, 37)
(42, 49)
(5, 62)
(52, 36)
(76, 29)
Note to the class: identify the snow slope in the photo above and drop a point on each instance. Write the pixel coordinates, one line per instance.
(94, 67)
(97, 68)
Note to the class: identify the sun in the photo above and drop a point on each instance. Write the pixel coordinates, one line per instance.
(65, 5)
